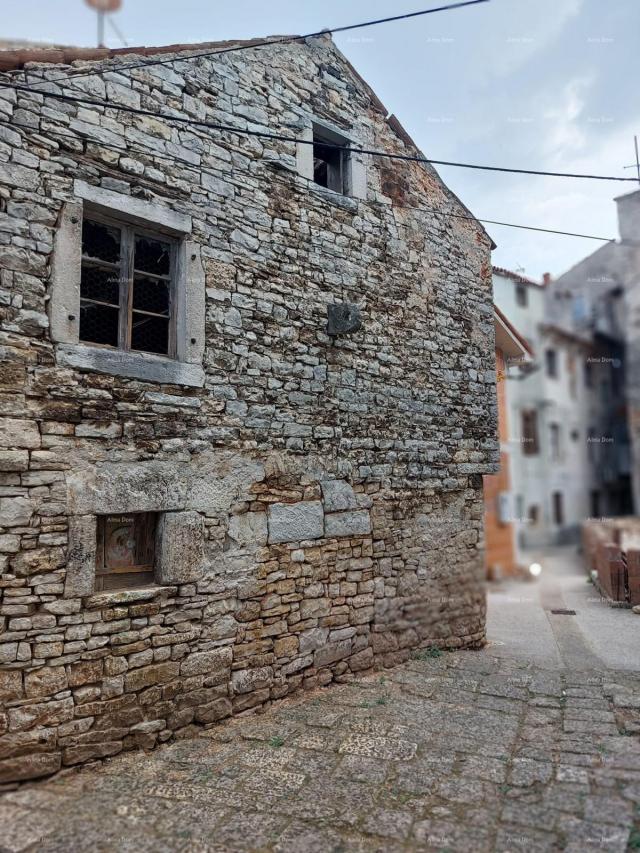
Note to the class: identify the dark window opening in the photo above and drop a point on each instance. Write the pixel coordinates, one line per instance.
(588, 374)
(534, 514)
(329, 161)
(522, 295)
(558, 508)
(126, 288)
(554, 442)
(125, 550)
(530, 444)
(551, 361)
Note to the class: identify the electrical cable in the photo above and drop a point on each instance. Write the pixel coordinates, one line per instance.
(410, 158)
(175, 158)
(272, 41)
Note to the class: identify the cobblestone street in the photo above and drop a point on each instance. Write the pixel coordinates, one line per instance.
(451, 752)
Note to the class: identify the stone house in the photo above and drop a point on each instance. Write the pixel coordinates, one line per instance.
(248, 394)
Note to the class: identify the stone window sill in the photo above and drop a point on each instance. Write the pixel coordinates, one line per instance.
(334, 197)
(125, 596)
(133, 365)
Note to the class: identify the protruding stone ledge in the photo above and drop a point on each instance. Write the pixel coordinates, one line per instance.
(126, 596)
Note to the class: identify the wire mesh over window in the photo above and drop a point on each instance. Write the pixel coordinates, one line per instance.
(126, 288)
(100, 283)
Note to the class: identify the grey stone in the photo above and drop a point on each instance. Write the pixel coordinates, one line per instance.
(134, 365)
(296, 521)
(180, 547)
(81, 558)
(15, 512)
(14, 460)
(348, 523)
(143, 212)
(248, 530)
(64, 304)
(16, 432)
(313, 639)
(337, 495)
(248, 680)
(209, 662)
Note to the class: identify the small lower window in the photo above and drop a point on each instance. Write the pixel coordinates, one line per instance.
(125, 552)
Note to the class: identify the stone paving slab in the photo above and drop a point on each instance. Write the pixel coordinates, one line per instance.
(449, 752)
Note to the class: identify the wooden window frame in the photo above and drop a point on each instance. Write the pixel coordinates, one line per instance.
(132, 576)
(557, 506)
(552, 363)
(529, 417)
(126, 272)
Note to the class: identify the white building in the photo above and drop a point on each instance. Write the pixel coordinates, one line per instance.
(550, 401)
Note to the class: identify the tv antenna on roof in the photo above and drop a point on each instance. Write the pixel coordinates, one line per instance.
(103, 7)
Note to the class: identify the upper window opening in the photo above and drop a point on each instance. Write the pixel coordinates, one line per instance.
(529, 428)
(551, 359)
(330, 162)
(126, 288)
(125, 553)
(522, 295)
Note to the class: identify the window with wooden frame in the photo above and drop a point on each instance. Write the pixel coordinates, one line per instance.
(125, 552)
(127, 298)
(530, 444)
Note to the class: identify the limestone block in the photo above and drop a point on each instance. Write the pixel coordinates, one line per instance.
(208, 662)
(337, 495)
(64, 304)
(313, 639)
(331, 653)
(248, 680)
(81, 560)
(158, 673)
(45, 681)
(10, 684)
(249, 530)
(15, 512)
(213, 711)
(14, 460)
(348, 523)
(295, 522)
(179, 547)
(123, 488)
(17, 432)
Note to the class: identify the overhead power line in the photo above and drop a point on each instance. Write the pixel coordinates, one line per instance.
(129, 149)
(272, 41)
(263, 134)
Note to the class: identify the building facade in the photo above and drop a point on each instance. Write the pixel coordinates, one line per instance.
(248, 395)
(553, 417)
(501, 552)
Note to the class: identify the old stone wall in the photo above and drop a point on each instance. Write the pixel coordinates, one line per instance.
(321, 496)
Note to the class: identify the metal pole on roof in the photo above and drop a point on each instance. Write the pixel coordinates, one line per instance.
(100, 28)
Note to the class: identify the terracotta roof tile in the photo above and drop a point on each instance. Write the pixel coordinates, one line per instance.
(11, 60)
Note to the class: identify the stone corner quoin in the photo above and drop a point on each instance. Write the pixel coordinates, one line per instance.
(314, 502)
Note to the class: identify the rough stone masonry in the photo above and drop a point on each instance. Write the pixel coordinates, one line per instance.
(317, 498)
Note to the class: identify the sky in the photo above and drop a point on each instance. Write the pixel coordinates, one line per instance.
(537, 84)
